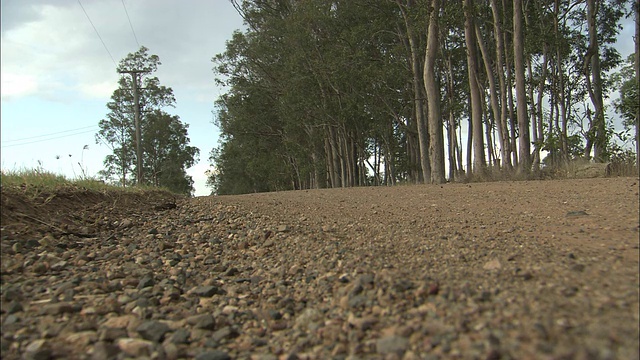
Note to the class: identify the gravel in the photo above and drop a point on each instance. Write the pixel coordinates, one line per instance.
(507, 270)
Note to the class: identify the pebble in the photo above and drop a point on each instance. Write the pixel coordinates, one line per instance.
(205, 291)
(213, 355)
(153, 330)
(135, 347)
(392, 345)
(104, 351)
(212, 282)
(37, 350)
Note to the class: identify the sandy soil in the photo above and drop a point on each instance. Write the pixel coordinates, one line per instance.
(506, 270)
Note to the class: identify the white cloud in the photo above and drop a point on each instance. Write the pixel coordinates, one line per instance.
(15, 85)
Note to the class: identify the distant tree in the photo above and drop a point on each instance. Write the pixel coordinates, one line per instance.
(166, 167)
(167, 154)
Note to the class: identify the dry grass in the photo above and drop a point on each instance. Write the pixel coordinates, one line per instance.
(33, 182)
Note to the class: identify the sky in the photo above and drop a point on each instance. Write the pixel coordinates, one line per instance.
(57, 76)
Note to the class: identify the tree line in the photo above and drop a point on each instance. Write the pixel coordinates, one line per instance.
(338, 93)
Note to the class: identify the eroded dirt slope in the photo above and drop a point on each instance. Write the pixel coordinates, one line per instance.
(509, 270)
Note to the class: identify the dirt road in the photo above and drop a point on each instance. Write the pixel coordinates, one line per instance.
(508, 270)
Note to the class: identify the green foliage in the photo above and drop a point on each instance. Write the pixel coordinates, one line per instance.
(320, 93)
(166, 153)
(628, 102)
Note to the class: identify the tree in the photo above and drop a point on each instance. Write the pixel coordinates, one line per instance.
(167, 153)
(474, 88)
(326, 93)
(117, 130)
(436, 137)
(521, 95)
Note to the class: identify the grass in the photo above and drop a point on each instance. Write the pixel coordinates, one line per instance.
(33, 182)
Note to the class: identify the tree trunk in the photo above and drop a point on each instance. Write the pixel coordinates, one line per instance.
(595, 87)
(505, 144)
(495, 107)
(521, 95)
(423, 135)
(436, 140)
(638, 84)
(476, 101)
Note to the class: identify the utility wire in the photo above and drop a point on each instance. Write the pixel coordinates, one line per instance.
(97, 33)
(131, 25)
(51, 134)
(43, 140)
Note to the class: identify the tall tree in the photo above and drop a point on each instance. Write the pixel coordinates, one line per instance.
(479, 161)
(117, 130)
(436, 137)
(521, 95)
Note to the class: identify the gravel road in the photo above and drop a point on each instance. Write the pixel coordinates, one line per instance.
(506, 270)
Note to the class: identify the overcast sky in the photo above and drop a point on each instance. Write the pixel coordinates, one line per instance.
(57, 76)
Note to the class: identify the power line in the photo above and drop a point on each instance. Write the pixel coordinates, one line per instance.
(51, 134)
(97, 33)
(131, 25)
(43, 140)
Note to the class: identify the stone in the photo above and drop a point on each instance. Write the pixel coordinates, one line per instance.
(180, 336)
(224, 333)
(14, 307)
(37, 350)
(146, 281)
(60, 308)
(308, 319)
(82, 339)
(392, 345)
(153, 330)
(202, 321)
(104, 351)
(120, 322)
(213, 355)
(111, 334)
(135, 347)
(206, 291)
(492, 265)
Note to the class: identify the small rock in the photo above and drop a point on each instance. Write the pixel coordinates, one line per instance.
(180, 336)
(14, 307)
(283, 228)
(146, 281)
(120, 322)
(492, 265)
(232, 271)
(12, 293)
(111, 334)
(37, 350)
(577, 213)
(213, 355)
(203, 321)
(392, 345)
(104, 351)
(17, 247)
(135, 347)
(60, 265)
(60, 308)
(307, 319)
(224, 333)
(82, 339)
(153, 330)
(126, 223)
(206, 291)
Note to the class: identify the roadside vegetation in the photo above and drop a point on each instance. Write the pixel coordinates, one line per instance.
(35, 182)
